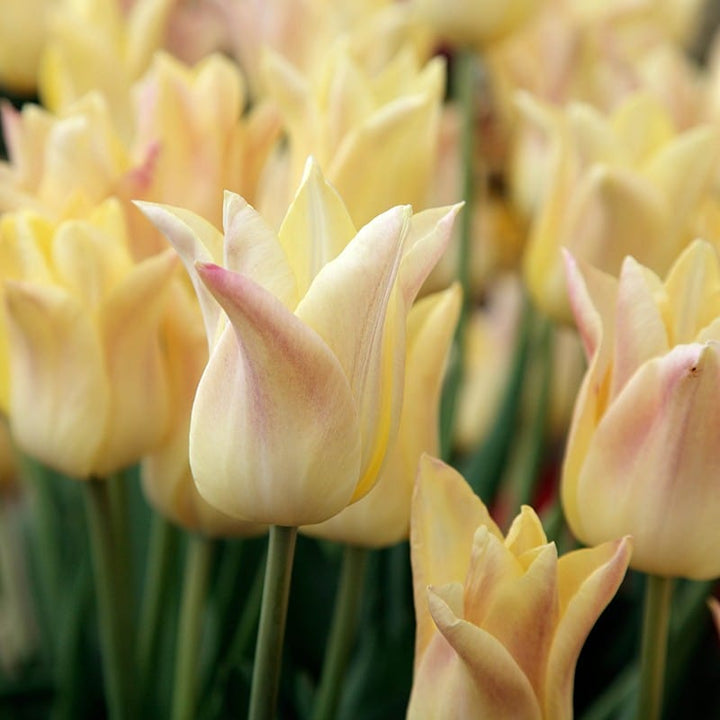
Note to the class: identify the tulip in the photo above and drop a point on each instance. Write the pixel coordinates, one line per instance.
(88, 393)
(301, 395)
(349, 112)
(627, 184)
(382, 517)
(100, 45)
(642, 453)
(500, 620)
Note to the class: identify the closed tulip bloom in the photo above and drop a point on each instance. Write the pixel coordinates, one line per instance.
(87, 388)
(301, 395)
(642, 454)
(382, 517)
(500, 620)
(627, 184)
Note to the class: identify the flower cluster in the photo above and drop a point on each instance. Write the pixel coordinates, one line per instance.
(272, 268)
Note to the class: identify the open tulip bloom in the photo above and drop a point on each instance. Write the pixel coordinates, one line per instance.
(302, 392)
(500, 620)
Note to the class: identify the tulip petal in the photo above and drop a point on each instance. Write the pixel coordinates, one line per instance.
(501, 689)
(274, 434)
(316, 228)
(658, 432)
(518, 607)
(525, 533)
(445, 515)
(427, 240)
(382, 517)
(405, 129)
(640, 332)
(59, 394)
(139, 408)
(349, 306)
(253, 249)
(587, 581)
(195, 240)
(693, 298)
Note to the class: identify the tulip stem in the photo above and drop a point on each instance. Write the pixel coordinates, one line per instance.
(163, 541)
(114, 638)
(656, 622)
(342, 632)
(271, 632)
(464, 87)
(198, 560)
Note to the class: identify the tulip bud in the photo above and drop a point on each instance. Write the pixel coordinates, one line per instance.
(501, 620)
(642, 454)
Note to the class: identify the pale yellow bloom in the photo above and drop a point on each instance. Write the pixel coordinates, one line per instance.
(500, 620)
(346, 114)
(23, 31)
(99, 45)
(613, 186)
(642, 454)
(301, 396)
(87, 388)
(382, 517)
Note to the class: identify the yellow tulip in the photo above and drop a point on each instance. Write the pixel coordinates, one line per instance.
(623, 185)
(642, 454)
(500, 620)
(349, 113)
(23, 31)
(99, 45)
(191, 122)
(165, 472)
(301, 396)
(382, 517)
(88, 391)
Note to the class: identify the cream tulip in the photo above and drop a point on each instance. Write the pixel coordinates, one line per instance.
(500, 620)
(301, 396)
(642, 454)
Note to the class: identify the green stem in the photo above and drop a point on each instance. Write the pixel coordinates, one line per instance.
(162, 547)
(114, 637)
(197, 572)
(532, 433)
(342, 633)
(273, 612)
(656, 617)
(464, 86)
(117, 485)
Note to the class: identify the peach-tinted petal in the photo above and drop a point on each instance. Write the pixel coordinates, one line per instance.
(657, 433)
(503, 690)
(274, 433)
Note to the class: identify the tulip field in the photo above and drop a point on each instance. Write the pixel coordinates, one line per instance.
(359, 359)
